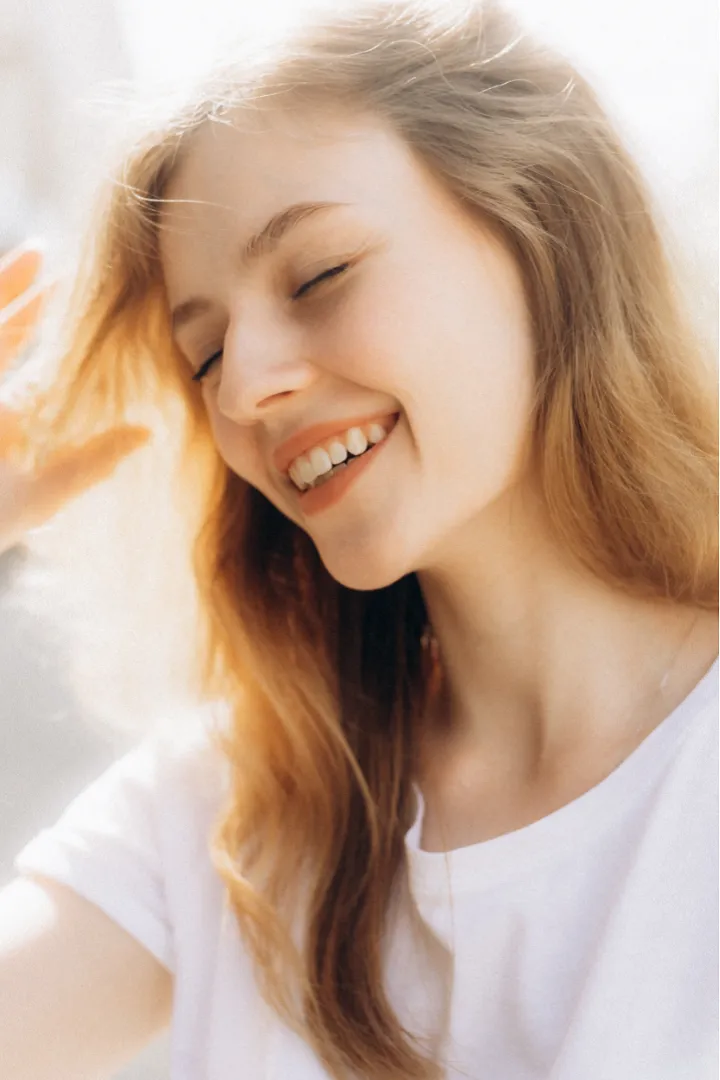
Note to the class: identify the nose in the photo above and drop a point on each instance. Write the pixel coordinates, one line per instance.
(261, 366)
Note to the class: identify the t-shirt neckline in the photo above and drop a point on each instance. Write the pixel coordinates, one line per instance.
(490, 862)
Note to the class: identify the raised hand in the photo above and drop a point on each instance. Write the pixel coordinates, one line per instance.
(28, 499)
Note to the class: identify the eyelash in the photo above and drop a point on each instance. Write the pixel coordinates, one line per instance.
(297, 295)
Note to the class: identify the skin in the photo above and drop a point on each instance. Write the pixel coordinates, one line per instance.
(28, 498)
(552, 677)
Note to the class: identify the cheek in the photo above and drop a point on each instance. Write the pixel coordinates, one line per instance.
(238, 450)
(235, 445)
(372, 338)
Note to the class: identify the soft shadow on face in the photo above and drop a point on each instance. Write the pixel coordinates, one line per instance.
(427, 319)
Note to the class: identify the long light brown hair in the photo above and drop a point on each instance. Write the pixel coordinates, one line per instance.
(328, 684)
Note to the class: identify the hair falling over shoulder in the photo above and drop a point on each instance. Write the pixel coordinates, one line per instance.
(328, 684)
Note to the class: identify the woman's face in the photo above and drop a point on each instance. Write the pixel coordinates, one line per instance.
(390, 305)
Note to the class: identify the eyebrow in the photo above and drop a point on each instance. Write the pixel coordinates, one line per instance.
(257, 247)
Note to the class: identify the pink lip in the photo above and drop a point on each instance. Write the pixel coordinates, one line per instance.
(304, 440)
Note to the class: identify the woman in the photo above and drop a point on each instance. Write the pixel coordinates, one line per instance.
(461, 800)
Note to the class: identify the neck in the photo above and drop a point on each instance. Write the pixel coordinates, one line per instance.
(541, 659)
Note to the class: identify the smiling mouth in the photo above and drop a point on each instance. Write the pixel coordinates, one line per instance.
(337, 452)
(334, 484)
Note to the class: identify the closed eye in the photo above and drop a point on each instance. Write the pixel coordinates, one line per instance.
(204, 368)
(321, 277)
(297, 295)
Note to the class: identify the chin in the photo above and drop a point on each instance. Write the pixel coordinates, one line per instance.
(362, 573)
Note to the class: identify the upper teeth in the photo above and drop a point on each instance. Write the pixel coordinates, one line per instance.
(321, 459)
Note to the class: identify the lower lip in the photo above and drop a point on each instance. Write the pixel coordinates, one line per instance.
(322, 498)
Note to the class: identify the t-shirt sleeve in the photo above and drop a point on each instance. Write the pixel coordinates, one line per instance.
(106, 847)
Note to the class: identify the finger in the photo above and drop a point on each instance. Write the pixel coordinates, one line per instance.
(17, 322)
(18, 271)
(70, 472)
(12, 434)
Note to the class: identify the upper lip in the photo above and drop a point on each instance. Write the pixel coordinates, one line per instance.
(303, 440)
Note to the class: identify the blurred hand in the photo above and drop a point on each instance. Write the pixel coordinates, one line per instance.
(28, 499)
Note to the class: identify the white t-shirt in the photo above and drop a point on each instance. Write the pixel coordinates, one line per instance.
(581, 947)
